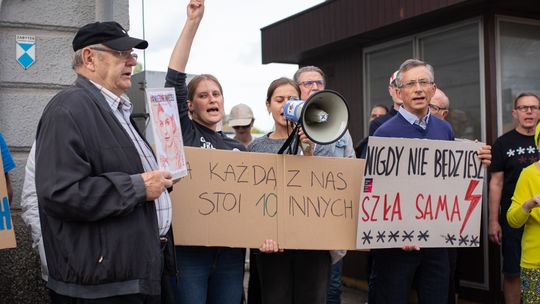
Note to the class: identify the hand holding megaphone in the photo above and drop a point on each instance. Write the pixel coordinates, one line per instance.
(307, 145)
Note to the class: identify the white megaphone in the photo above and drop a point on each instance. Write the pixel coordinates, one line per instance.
(324, 116)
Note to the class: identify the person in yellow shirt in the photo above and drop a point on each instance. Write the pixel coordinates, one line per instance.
(524, 211)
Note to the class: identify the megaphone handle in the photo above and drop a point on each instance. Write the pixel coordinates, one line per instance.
(290, 142)
(295, 142)
(304, 146)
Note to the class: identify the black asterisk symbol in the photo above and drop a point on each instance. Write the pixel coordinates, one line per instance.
(423, 235)
(393, 236)
(450, 239)
(380, 236)
(408, 236)
(464, 240)
(367, 237)
(474, 240)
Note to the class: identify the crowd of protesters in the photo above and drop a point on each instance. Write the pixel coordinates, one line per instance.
(101, 215)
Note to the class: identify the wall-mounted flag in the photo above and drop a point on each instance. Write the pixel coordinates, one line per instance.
(25, 50)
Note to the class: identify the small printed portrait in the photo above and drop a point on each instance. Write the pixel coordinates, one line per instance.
(168, 143)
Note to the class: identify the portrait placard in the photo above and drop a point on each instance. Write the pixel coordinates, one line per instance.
(165, 124)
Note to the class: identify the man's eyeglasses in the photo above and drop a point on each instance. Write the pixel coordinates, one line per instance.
(435, 108)
(126, 55)
(413, 83)
(527, 108)
(310, 83)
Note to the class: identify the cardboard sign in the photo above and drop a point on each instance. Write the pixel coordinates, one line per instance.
(7, 235)
(421, 192)
(240, 199)
(167, 134)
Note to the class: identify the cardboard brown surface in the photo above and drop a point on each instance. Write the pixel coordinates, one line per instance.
(421, 192)
(7, 235)
(239, 199)
(320, 199)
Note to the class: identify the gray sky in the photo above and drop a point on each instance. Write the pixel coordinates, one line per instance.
(227, 45)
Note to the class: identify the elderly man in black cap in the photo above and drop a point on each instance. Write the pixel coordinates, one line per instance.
(104, 208)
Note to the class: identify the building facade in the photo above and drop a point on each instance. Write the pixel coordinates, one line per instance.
(25, 92)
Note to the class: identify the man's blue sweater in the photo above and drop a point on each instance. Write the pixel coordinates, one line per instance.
(398, 126)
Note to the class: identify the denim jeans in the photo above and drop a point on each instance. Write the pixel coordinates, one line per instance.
(334, 285)
(209, 275)
(394, 270)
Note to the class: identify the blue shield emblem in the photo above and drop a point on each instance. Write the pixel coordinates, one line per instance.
(25, 50)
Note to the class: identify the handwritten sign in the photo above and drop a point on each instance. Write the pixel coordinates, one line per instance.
(7, 236)
(422, 192)
(239, 199)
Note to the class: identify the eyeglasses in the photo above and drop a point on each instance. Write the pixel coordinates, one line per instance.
(310, 83)
(412, 84)
(527, 108)
(126, 55)
(436, 108)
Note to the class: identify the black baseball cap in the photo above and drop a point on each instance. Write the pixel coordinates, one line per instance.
(109, 33)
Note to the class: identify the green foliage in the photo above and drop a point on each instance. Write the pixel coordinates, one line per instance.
(138, 68)
(256, 131)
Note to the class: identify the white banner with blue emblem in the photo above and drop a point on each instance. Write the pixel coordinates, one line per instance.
(26, 50)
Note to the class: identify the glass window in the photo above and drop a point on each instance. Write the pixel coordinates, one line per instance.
(380, 63)
(455, 57)
(519, 67)
(454, 53)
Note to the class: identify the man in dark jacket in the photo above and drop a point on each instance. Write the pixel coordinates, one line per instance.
(104, 208)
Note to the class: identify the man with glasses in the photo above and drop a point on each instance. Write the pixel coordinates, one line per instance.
(103, 205)
(512, 152)
(439, 104)
(311, 79)
(393, 270)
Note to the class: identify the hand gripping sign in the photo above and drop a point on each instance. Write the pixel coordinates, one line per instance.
(420, 192)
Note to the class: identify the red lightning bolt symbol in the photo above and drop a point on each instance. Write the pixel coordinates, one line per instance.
(474, 199)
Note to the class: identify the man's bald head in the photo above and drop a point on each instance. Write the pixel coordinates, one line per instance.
(439, 104)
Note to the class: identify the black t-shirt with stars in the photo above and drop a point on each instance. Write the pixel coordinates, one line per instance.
(511, 153)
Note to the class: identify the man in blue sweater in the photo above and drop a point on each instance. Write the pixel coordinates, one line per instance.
(416, 86)
(393, 270)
